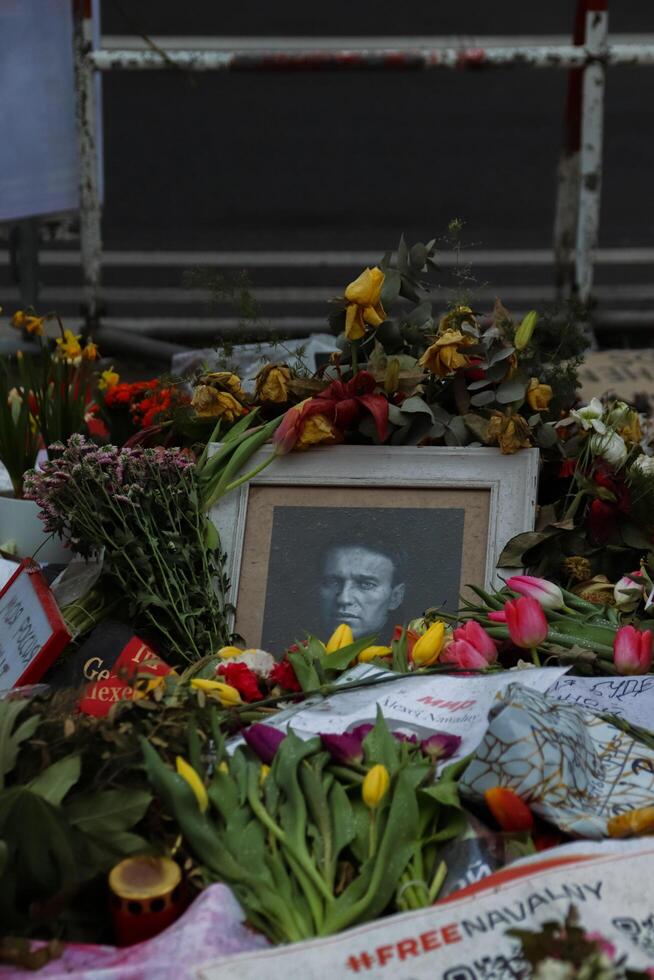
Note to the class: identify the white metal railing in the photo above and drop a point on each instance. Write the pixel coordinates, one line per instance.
(578, 200)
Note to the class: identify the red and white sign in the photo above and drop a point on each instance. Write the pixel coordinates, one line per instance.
(32, 630)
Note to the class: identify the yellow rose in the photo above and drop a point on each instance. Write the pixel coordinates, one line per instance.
(272, 384)
(224, 381)
(364, 303)
(316, 429)
(444, 357)
(453, 319)
(212, 404)
(108, 379)
(539, 396)
(510, 432)
(631, 431)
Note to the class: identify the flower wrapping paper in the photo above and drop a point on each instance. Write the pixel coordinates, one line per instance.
(570, 766)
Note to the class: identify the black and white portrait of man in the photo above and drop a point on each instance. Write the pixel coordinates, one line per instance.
(370, 568)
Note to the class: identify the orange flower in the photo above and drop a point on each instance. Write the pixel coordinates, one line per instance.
(512, 814)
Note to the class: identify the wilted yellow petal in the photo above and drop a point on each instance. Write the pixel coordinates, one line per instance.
(188, 773)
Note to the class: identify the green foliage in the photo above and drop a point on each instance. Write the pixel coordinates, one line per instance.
(19, 435)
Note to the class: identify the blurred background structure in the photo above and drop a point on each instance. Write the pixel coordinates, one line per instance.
(301, 178)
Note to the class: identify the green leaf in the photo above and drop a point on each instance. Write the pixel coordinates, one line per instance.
(380, 746)
(11, 740)
(512, 555)
(342, 658)
(416, 404)
(512, 391)
(108, 812)
(53, 783)
(482, 398)
(305, 671)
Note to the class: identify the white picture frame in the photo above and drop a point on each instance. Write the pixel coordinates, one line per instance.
(510, 481)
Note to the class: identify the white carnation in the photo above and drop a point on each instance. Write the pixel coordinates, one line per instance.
(644, 465)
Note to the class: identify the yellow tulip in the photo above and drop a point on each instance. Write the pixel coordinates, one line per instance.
(317, 429)
(263, 775)
(371, 652)
(226, 652)
(633, 823)
(190, 775)
(539, 396)
(223, 768)
(341, 637)
(375, 786)
(525, 330)
(364, 303)
(429, 646)
(226, 694)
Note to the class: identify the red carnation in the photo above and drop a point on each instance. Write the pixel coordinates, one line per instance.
(284, 675)
(243, 679)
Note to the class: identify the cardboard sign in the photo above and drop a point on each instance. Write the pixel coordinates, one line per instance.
(465, 936)
(32, 631)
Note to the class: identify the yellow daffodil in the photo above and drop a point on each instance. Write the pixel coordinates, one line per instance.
(18, 319)
(226, 694)
(341, 637)
(370, 653)
(226, 652)
(539, 396)
(35, 325)
(69, 348)
(427, 649)
(108, 379)
(212, 404)
(510, 432)
(91, 352)
(272, 384)
(364, 303)
(190, 775)
(444, 356)
(375, 786)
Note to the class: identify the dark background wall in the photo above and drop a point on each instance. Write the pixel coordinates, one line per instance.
(349, 160)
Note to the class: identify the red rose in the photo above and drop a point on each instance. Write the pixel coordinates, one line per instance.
(243, 679)
(284, 675)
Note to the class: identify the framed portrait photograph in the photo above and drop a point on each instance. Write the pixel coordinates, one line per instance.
(370, 536)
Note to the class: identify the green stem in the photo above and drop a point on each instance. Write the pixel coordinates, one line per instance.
(354, 347)
(437, 883)
(534, 657)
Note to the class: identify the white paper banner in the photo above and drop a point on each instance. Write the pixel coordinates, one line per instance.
(631, 698)
(464, 937)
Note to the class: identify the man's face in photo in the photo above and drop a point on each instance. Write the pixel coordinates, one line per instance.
(358, 588)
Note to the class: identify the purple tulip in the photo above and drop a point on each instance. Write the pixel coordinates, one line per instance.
(346, 748)
(440, 746)
(264, 740)
(362, 730)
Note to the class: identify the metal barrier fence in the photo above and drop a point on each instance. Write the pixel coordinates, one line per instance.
(587, 59)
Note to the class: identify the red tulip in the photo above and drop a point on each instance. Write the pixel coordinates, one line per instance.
(477, 637)
(632, 650)
(512, 814)
(463, 654)
(546, 593)
(526, 621)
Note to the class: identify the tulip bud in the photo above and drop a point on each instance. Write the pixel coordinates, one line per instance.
(375, 786)
(525, 330)
(627, 593)
(477, 637)
(223, 768)
(633, 823)
(428, 647)
(190, 775)
(264, 740)
(463, 654)
(512, 814)
(371, 653)
(440, 745)
(226, 694)
(526, 622)
(632, 650)
(263, 774)
(546, 593)
(346, 748)
(341, 637)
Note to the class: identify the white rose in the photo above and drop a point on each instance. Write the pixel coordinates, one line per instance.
(259, 661)
(590, 416)
(610, 447)
(644, 465)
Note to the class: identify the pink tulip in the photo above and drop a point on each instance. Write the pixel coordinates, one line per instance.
(476, 636)
(627, 593)
(547, 594)
(632, 650)
(463, 654)
(497, 616)
(526, 621)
